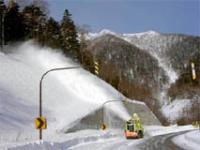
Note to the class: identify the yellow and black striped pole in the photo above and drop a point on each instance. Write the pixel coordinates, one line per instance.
(96, 67)
(194, 76)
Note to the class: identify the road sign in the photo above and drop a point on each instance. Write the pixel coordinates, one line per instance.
(40, 123)
(103, 126)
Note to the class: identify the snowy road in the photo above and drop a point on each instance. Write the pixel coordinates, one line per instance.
(106, 140)
(163, 142)
(109, 144)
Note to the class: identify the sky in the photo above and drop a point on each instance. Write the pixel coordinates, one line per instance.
(132, 16)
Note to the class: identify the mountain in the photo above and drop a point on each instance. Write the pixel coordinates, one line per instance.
(175, 49)
(121, 62)
(175, 53)
(150, 66)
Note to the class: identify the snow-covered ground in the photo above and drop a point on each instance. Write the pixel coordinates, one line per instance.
(161, 130)
(103, 140)
(189, 140)
(62, 141)
(67, 95)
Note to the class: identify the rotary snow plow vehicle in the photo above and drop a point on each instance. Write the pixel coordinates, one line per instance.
(134, 128)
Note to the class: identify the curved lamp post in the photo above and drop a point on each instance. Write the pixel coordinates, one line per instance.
(103, 126)
(40, 92)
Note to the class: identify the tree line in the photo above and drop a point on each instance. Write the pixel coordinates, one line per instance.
(32, 22)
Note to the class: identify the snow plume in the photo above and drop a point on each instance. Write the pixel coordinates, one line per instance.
(67, 95)
(164, 64)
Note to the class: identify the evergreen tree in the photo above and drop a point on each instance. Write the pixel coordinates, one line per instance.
(2, 24)
(52, 33)
(34, 20)
(70, 44)
(14, 28)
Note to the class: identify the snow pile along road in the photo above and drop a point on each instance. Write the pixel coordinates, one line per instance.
(189, 140)
(67, 95)
(162, 130)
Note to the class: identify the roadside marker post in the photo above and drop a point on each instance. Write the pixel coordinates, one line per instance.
(40, 123)
(96, 67)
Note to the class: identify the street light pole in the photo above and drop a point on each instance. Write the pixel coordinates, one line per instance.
(40, 90)
(109, 101)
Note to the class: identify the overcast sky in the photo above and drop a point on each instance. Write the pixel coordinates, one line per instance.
(131, 16)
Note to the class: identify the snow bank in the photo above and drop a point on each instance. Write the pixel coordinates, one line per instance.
(189, 140)
(65, 141)
(161, 130)
(67, 95)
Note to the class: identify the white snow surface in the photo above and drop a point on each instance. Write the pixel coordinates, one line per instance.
(161, 130)
(189, 140)
(175, 109)
(126, 36)
(94, 139)
(67, 95)
(139, 35)
(91, 36)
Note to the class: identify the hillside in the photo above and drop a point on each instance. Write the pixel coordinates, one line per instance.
(150, 66)
(121, 59)
(68, 96)
(174, 52)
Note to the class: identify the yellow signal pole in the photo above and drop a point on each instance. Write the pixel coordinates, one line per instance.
(96, 67)
(194, 76)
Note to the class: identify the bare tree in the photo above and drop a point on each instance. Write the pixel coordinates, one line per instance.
(82, 31)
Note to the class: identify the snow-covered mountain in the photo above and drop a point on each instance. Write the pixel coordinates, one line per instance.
(164, 47)
(172, 51)
(156, 65)
(93, 35)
